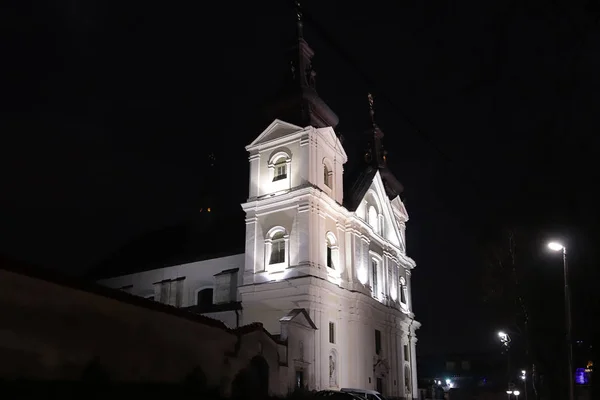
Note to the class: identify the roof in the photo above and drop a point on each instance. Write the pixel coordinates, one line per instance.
(91, 287)
(19, 268)
(298, 311)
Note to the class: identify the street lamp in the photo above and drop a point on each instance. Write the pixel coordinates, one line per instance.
(556, 246)
(524, 378)
(517, 393)
(504, 338)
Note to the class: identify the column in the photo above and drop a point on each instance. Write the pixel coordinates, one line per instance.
(303, 234)
(408, 290)
(320, 240)
(413, 366)
(251, 261)
(254, 175)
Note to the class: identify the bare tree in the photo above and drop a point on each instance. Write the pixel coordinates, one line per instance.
(504, 283)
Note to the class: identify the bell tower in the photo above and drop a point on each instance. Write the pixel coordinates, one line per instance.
(298, 101)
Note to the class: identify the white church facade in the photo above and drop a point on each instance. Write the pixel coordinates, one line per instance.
(324, 271)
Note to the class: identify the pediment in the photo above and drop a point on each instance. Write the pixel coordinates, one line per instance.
(400, 209)
(299, 316)
(328, 134)
(277, 129)
(377, 190)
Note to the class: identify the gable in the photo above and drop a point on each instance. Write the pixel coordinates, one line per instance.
(277, 129)
(299, 316)
(377, 190)
(329, 136)
(400, 209)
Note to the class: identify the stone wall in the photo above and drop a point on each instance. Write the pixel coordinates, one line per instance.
(55, 331)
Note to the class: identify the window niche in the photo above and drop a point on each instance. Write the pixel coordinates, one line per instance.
(332, 260)
(376, 276)
(279, 167)
(403, 292)
(327, 173)
(276, 249)
(204, 297)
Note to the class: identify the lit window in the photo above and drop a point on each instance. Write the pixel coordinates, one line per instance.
(280, 170)
(277, 248)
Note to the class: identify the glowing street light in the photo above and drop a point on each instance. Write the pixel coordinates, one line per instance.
(504, 338)
(509, 392)
(556, 246)
(517, 393)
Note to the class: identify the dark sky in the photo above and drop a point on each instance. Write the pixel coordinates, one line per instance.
(489, 108)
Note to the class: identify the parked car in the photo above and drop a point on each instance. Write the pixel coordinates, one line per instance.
(364, 394)
(336, 395)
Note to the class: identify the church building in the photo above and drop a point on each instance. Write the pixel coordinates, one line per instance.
(325, 268)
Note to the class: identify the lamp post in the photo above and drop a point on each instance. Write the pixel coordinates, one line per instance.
(505, 340)
(517, 393)
(524, 379)
(509, 392)
(555, 246)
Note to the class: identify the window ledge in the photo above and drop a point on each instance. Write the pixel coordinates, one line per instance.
(279, 267)
(333, 272)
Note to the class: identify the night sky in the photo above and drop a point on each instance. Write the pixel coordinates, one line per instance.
(489, 108)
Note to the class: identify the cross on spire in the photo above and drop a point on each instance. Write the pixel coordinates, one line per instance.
(371, 110)
(299, 23)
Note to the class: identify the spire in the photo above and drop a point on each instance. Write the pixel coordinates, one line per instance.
(298, 101)
(376, 154)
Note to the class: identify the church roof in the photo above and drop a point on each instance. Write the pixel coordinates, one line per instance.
(296, 312)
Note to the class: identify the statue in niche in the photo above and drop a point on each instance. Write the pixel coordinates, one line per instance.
(332, 371)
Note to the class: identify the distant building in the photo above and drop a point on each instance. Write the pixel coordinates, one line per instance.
(325, 267)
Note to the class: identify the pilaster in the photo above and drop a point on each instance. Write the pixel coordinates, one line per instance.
(251, 256)
(254, 160)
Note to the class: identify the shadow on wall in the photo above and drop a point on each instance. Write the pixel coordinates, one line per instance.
(251, 382)
(252, 379)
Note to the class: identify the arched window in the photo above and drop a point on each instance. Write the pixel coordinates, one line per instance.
(280, 170)
(276, 247)
(373, 218)
(204, 297)
(279, 164)
(375, 277)
(326, 176)
(331, 250)
(327, 173)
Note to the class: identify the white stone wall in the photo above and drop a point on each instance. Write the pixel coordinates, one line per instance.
(308, 215)
(301, 213)
(198, 276)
